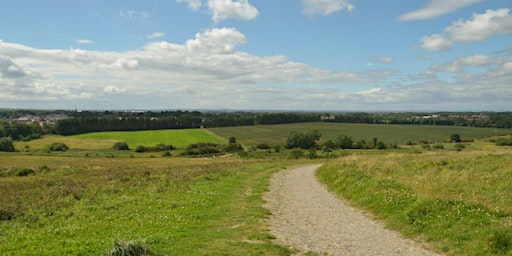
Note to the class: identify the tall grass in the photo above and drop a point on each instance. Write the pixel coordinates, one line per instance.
(81, 206)
(459, 202)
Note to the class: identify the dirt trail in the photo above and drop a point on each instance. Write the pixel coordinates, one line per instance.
(308, 218)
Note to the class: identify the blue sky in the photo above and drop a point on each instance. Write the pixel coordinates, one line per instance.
(336, 55)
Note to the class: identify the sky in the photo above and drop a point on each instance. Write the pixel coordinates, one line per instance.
(320, 55)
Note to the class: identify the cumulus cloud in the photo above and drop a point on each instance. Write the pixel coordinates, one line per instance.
(436, 8)
(326, 7)
(232, 9)
(479, 28)
(209, 60)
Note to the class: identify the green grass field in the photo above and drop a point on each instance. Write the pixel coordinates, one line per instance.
(82, 206)
(277, 134)
(178, 138)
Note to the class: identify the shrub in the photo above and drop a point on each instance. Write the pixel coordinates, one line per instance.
(6, 144)
(121, 146)
(504, 142)
(128, 249)
(438, 146)
(263, 146)
(455, 137)
(202, 148)
(500, 241)
(158, 148)
(381, 145)
(312, 153)
(57, 146)
(166, 154)
(459, 147)
(25, 172)
(296, 153)
(233, 148)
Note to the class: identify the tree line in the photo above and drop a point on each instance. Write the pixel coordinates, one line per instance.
(78, 122)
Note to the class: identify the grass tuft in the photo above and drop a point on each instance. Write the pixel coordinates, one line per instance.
(130, 248)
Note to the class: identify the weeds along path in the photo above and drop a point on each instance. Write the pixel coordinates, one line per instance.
(308, 218)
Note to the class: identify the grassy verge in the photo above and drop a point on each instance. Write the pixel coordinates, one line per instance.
(458, 202)
(85, 206)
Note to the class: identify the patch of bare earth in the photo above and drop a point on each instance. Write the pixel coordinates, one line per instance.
(309, 218)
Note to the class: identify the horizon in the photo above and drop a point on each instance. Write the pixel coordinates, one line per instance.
(307, 55)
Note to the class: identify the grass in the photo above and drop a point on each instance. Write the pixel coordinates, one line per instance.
(82, 206)
(277, 134)
(178, 138)
(458, 202)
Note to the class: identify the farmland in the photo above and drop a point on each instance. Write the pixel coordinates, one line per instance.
(277, 134)
(83, 201)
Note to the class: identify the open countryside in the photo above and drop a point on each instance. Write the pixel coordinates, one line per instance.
(93, 199)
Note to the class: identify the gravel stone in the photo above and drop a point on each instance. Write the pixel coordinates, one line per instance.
(308, 218)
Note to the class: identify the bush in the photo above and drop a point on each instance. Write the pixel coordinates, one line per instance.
(57, 146)
(158, 148)
(128, 249)
(296, 153)
(263, 146)
(459, 147)
(504, 142)
(233, 148)
(500, 241)
(25, 172)
(438, 146)
(121, 146)
(6, 144)
(203, 148)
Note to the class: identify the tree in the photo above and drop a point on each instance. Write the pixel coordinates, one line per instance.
(344, 142)
(6, 144)
(455, 137)
(121, 146)
(303, 140)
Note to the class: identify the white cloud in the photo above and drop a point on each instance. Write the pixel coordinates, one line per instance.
(84, 41)
(181, 71)
(437, 8)
(232, 9)
(479, 28)
(386, 59)
(192, 4)
(113, 89)
(460, 64)
(134, 15)
(326, 7)
(156, 35)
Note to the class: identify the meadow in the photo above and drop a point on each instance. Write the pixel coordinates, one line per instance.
(90, 198)
(83, 206)
(458, 202)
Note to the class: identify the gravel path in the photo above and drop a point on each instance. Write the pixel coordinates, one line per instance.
(308, 218)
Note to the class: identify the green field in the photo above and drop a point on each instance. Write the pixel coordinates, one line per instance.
(178, 138)
(82, 206)
(460, 203)
(277, 134)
